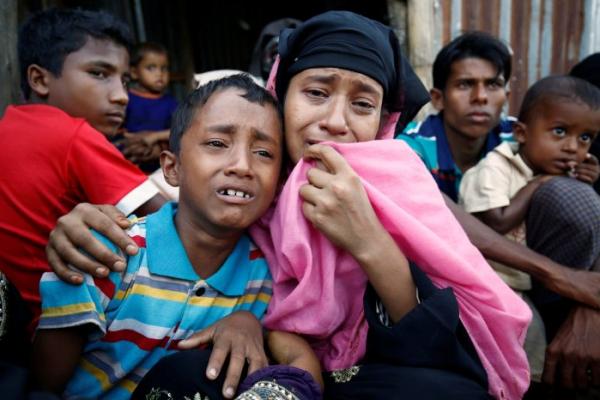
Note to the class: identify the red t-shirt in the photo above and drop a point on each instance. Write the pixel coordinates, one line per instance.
(50, 162)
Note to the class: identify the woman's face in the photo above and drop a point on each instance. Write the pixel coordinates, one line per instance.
(330, 104)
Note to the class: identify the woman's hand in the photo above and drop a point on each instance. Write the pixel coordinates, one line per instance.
(72, 235)
(336, 203)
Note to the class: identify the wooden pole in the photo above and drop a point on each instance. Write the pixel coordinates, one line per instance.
(9, 68)
(421, 37)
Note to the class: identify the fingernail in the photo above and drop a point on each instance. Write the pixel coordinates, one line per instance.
(229, 392)
(102, 272)
(119, 265)
(131, 249)
(212, 373)
(76, 279)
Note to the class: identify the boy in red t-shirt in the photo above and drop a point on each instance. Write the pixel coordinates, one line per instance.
(74, 66)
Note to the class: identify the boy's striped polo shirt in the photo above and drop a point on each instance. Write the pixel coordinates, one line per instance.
(139, 316)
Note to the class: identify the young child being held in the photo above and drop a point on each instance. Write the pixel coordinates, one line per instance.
(196, 264)
(558, 121)
(150, 108)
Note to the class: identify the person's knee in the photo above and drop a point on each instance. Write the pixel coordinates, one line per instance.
(568, 201)
(563, 222)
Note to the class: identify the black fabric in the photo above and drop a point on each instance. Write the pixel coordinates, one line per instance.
(589, 69)
(426, 355)
(179, 375)
(15, 384)
(563, 223)
(15, 345)
(342, 39)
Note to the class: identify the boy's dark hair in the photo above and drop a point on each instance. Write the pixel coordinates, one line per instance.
(47, 37)
(560, 87)
(185, 112)
(471, 45)
(140, 50)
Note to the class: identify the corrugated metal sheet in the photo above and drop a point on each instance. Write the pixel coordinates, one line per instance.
(546, 36)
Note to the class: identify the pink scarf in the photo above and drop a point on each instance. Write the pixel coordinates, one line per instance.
(318, 289)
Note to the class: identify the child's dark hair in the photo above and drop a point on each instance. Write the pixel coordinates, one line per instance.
(47, 37)
(185, 112)
(140, 50)
(561, 88)
(471, 45)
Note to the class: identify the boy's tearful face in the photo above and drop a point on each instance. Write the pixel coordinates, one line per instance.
(91, 85)
(229, 162)
(558, 137)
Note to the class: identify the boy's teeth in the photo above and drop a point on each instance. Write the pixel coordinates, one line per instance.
(237, 193)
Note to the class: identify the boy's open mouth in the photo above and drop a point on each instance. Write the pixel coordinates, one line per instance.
(235, 193)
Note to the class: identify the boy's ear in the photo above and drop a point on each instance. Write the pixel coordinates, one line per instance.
(520, 132)
(170, 167)
(437, 99)
(37, 78)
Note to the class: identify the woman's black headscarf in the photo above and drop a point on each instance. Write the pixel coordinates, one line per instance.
(342, 39)
(588, 69)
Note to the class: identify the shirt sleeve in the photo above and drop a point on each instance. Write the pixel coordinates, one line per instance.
(259, 288)
(418, 147)
(102, 175)
(65, 305)
(484, 187)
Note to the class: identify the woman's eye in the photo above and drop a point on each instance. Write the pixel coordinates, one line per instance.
(316, 93)
(365, 105)
(215, 143)
(264, 153)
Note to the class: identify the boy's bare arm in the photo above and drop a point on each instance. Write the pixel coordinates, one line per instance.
(151, 205)
(504, 219)
(56, 353)
(291, 349)
(578, 285)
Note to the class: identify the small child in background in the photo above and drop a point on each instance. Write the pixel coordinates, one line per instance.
(148, 115)
(558, 121)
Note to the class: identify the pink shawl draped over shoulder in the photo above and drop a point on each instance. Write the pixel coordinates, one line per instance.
(318, 289)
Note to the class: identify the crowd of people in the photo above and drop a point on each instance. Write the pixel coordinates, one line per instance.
(321, 243)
